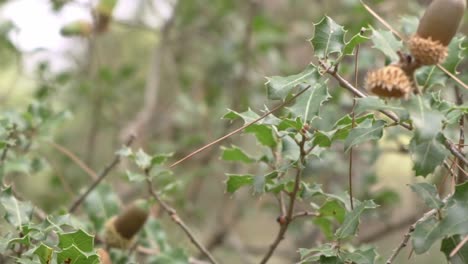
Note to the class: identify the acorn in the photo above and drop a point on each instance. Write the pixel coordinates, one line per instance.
(120, 230)
(436, 29)
(391, 82)
(77, 28)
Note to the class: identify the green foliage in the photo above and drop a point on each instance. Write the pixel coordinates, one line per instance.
(298, 155)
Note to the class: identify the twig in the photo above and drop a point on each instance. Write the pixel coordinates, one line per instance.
(176, 219)
(304, 214)
(451, 146)
(101, 176)
(353, 125)
(74, 158)
(292, 200)
(238, 130)
(345, 84)
(461, 177)
(458, 247)
(407, 236)
(381, 20)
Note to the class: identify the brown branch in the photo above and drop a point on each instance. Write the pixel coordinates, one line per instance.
(304, 214)
(238, 130)
(458, 247)
(176, 219)
(345, 84)
(284, 223)
(101, 177)
(407, 236)
(74, 158)
(461, 177)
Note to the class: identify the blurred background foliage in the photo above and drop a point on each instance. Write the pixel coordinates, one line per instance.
(169, 77)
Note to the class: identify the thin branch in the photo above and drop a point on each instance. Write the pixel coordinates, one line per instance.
(176, 219)
(345, 84)
(101, 177)
(348, 86)
(238, 130)
(394, 31)
(304, 214)
(461, 177)
(292, 200)
(74, 158)
(353, 125)
(407, 236)
(458, 247)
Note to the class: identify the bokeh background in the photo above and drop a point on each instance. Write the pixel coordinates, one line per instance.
(167, 71)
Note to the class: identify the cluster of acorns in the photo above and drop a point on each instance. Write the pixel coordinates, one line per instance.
(429, 46)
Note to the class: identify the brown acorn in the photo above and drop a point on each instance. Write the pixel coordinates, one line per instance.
(436, 29)
(391, 82)
(120, 230)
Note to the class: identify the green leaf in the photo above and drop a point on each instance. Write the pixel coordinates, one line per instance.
(308, 104)
(328, 38)
(314, 254)
(352, 219)
(134, 176)
(142, 160)
(372, 103)
(427, 155)
(455, 54)
(368, 256)
(428, 193)
(263, 133)
(17, 213)
(74, 255)
(278, 88)
(101, 204)
(44, 253)
(386, 42)
(430, 77)
(235, 154)
(364, 133)
(79, 238)
(236, 181)
(289, 149)
(424, 236)
(449, 244)
(160, 159)
(173, 256)
(355, 40)
(454, 221)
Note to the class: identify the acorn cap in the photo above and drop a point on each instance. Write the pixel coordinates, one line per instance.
(427, 51)
(390, 81)
(441, 20)
(132, 219)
